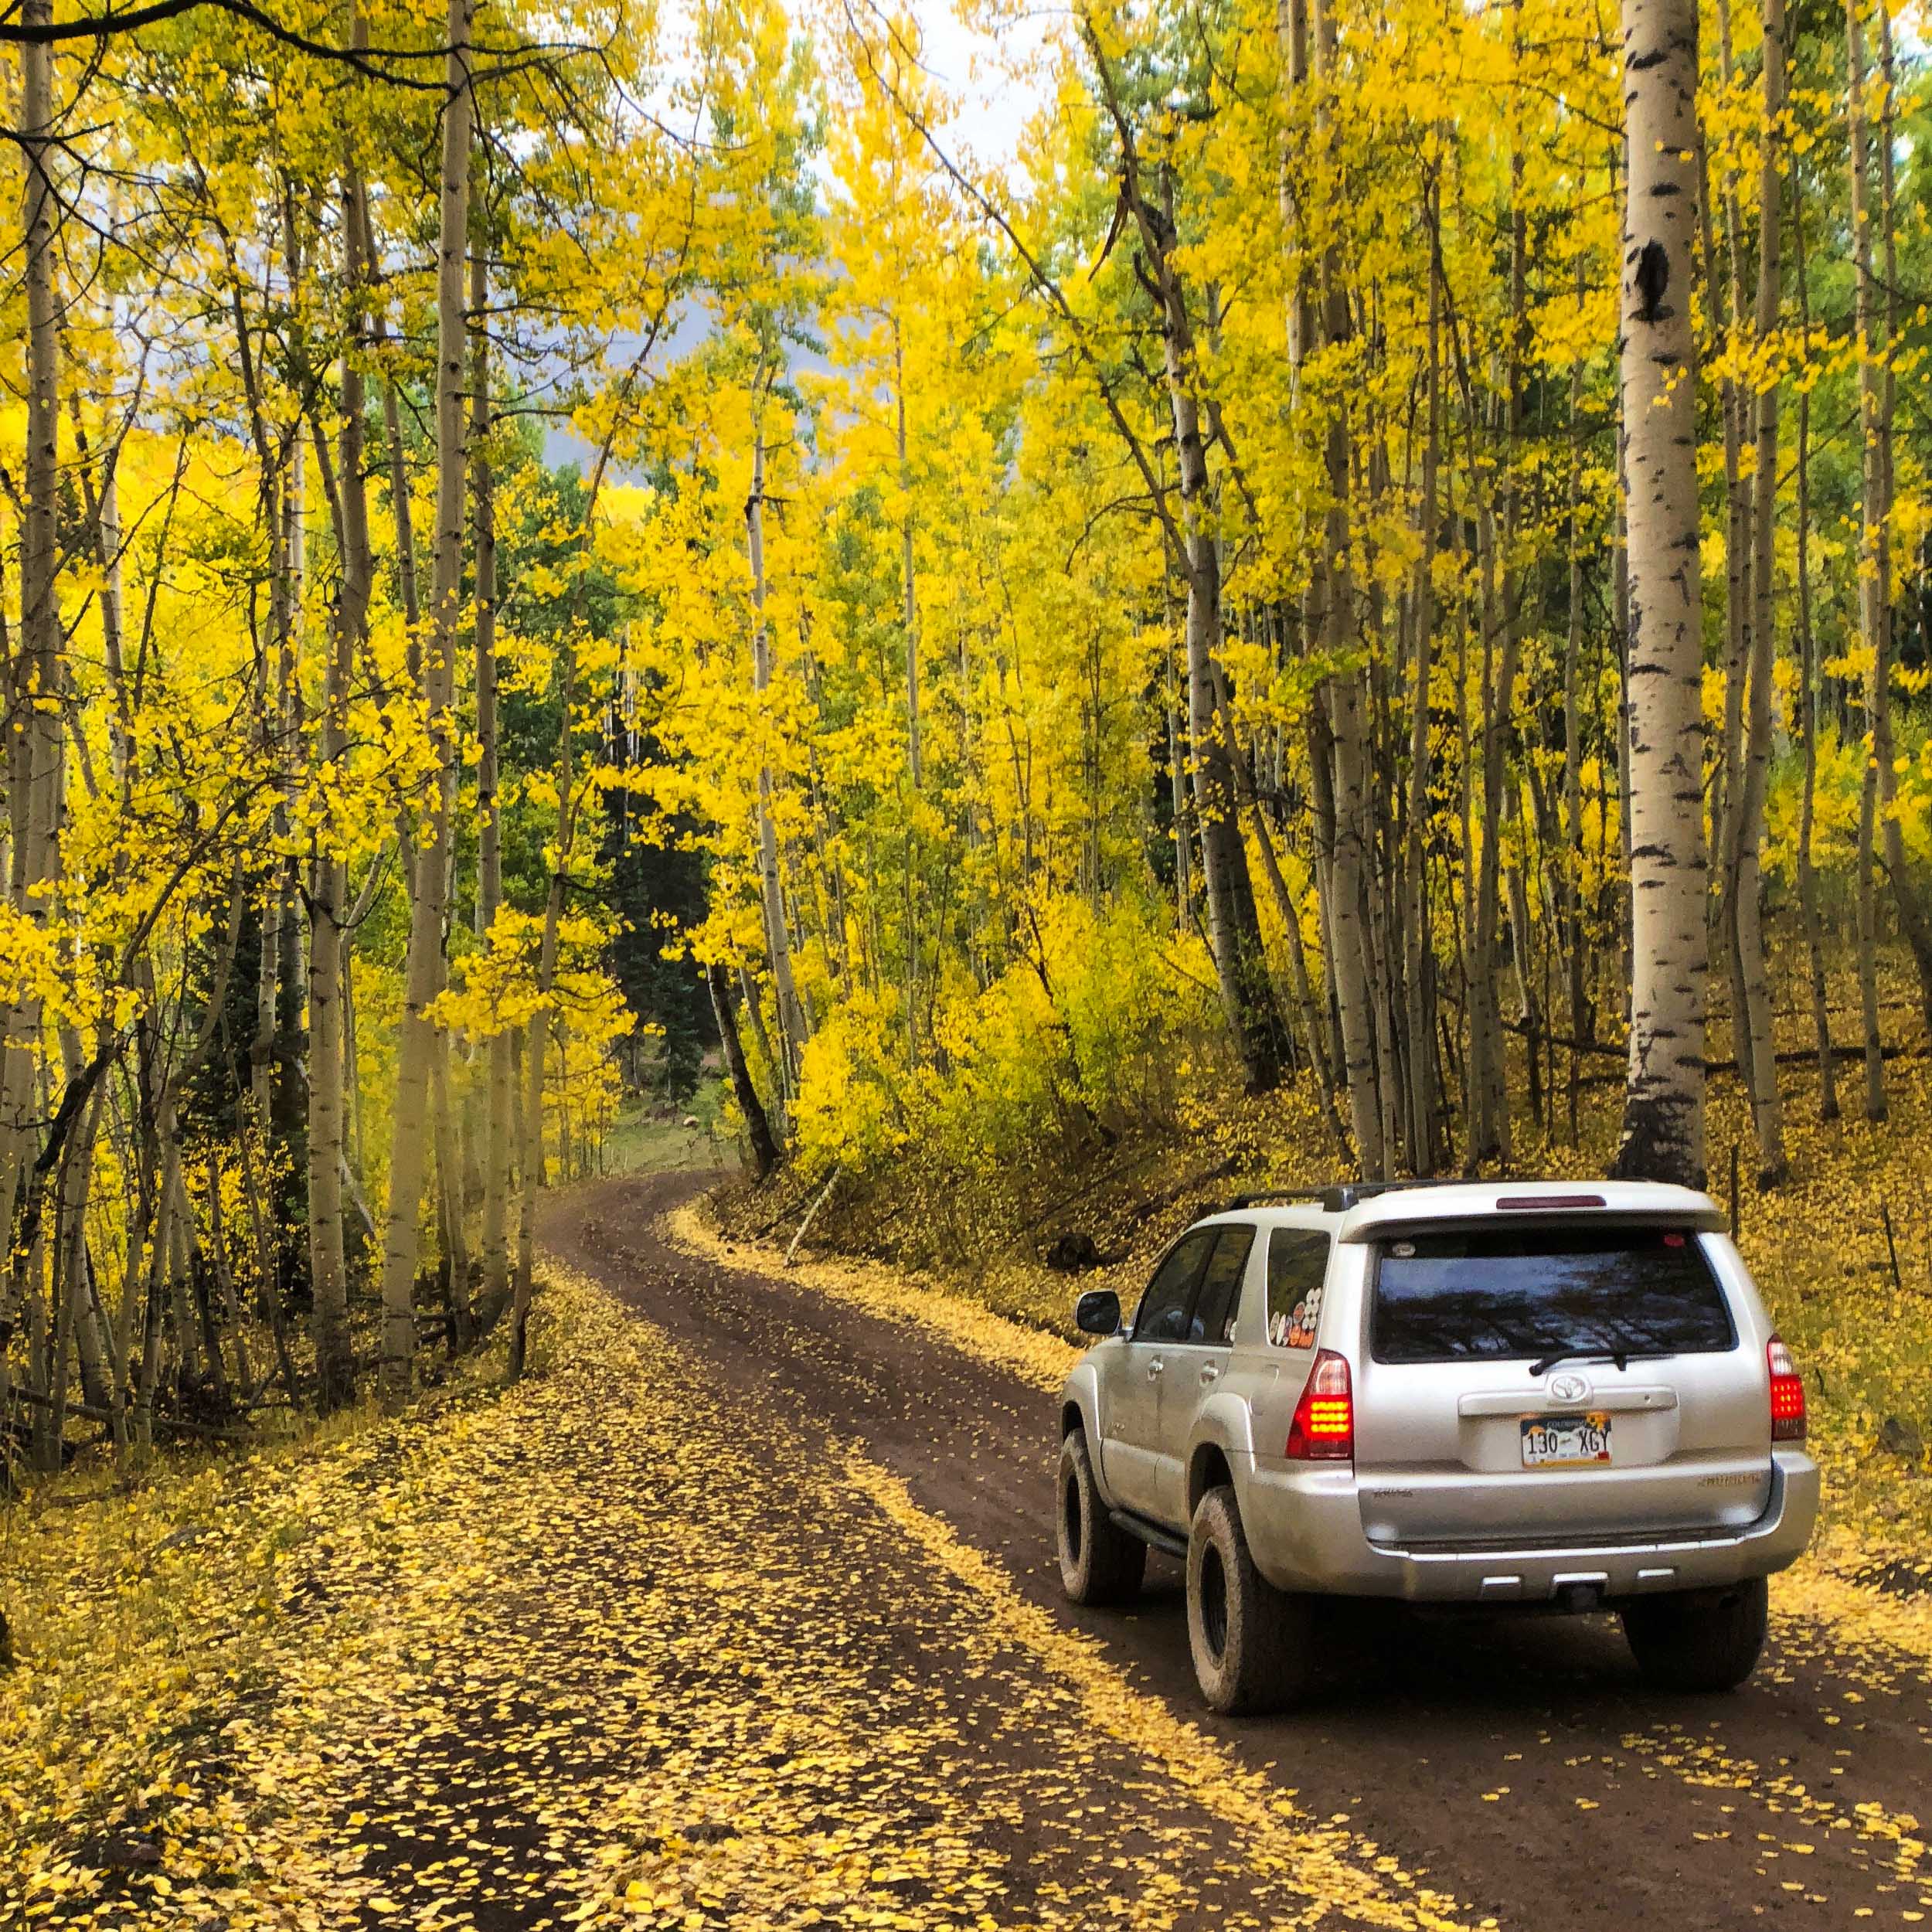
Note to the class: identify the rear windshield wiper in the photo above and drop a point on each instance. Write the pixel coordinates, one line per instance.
(1619, 1356)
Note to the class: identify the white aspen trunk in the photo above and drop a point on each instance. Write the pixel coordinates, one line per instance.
(423, 968)
(1415, 907)
(1489, 1125)
(35, 759)
(1234, 931)
(1872, 629)
(1663, 1129)
(328, 881)
(500, 1115)
(791, 1018)
(1728, 783)
(1347, 934)
(909, 611)
(1915, 921)
(764, 1151)
(1828, 1101)
(536, 1043)
(452, 1233)
(1576, 965)
(1752, 1030)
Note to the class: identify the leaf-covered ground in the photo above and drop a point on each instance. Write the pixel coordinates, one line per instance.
(606, 1649)
(738, 1613)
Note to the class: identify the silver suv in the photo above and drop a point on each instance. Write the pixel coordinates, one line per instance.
(1546, 1394)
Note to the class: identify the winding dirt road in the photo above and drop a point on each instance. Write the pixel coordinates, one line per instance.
(1517, 1768)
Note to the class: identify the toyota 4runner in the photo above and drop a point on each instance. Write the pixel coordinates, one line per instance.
(1561, 1396)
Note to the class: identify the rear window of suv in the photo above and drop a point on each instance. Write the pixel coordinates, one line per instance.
(1501, 1293)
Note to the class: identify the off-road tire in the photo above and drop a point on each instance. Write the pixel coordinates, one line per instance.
(1100, 1561)
(1250, 1641)
(1698, 1639)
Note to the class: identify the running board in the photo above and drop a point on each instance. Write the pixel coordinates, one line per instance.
(1151, 1533)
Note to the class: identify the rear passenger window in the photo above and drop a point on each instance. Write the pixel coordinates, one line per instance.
(1219, 1300)
(1505, 1293)
(1163, 1315)
(1297, 1266)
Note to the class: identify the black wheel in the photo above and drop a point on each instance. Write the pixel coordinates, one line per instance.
(1698, 1639)
(1100, 1561)
(1250, 1641)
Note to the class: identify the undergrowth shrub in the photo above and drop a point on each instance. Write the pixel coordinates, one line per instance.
(1092, 1034)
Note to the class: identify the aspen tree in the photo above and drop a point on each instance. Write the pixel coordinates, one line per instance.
(1417, 1015)
(1874, 428)
(1234, 928)
(328, 875)
(1349, 755)
(36, 746)
(418, 1042)
(1828, 1101)
(1751, 1028)
(1914, 918)
(1663, 1131)
(791, 1018)
(499, 1123)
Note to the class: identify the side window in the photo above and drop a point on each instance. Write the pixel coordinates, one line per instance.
(1163, 1315)
(1298, 1265)
(1220, 1299)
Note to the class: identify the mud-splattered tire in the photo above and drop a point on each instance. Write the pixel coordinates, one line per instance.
(1698, 1639)
(1100, 1561)
(1251, 1641)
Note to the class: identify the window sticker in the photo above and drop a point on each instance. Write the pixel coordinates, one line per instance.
(1402, 1251)
(1305, 1319)
(1296, 1329)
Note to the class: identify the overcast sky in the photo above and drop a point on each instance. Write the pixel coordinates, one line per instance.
(979, 72)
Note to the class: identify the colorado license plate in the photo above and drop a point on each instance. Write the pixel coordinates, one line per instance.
(1551, 1441)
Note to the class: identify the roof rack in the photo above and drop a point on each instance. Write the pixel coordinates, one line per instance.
(1339, 1197)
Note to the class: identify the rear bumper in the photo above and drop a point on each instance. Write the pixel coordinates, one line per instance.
(1304, 1527)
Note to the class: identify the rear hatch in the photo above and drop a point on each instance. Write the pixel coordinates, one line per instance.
(1555, 1381)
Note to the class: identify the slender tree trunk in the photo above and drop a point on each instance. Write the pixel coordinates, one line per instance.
(1828, 1102)
(452, 1230)
(537, 1036)
(1576, 965)
(764, 1151)
(1234, 930)
(1422, 1104)
(1727, 300)
(909, 613)
(791, 1019)
(35, 752)
(1915, 918)
(1873, 428)
(1753, 1031)
(1663, 1132)
(1490, 1129)
(500, 1119)
(328, 880)
(422, 966)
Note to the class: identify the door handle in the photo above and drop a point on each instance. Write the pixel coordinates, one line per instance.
(1210, 1373)
(1154, 1367)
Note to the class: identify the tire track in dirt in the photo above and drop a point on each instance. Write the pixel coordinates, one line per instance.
(1518, 1764)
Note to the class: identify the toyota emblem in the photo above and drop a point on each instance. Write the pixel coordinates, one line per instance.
(1568, 1388)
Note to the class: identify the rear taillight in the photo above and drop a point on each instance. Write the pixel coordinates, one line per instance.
(1787, 1394)
(1323, 1430)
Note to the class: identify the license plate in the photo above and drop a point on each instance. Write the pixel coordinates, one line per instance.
(1553, 1441)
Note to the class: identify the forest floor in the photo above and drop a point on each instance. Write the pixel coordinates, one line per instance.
(741, 1612)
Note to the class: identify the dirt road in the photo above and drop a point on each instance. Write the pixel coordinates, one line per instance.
(1517, 1769)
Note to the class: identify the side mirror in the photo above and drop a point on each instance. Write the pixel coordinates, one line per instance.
(1097, 1312)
